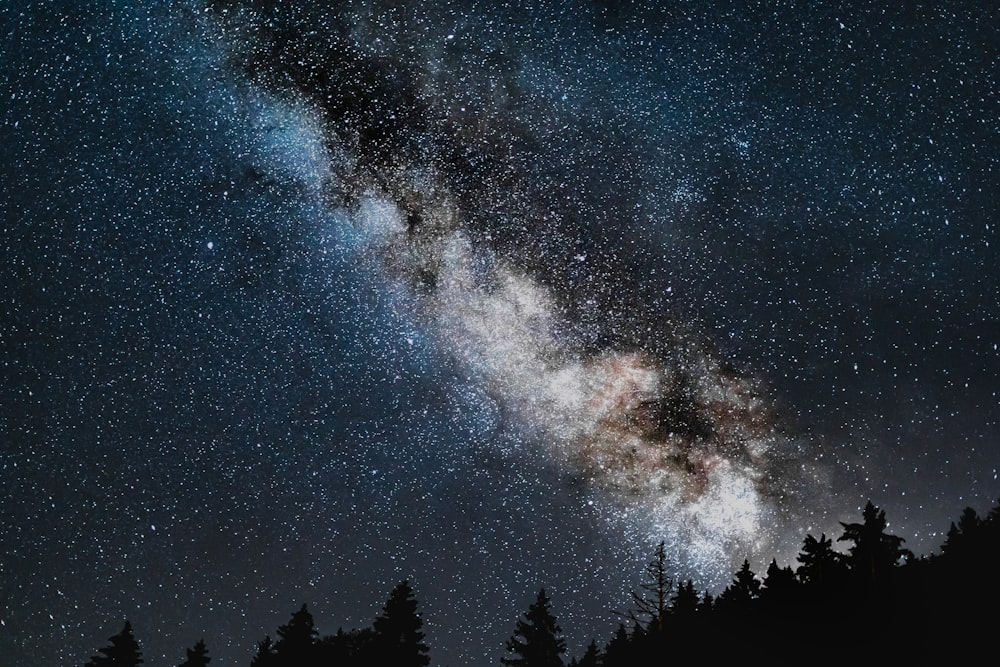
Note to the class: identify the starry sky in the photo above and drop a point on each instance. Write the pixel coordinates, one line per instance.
(303, 299)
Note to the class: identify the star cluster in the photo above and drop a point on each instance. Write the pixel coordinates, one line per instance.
(301, 300)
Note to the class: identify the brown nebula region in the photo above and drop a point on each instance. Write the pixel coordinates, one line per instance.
(680, 441)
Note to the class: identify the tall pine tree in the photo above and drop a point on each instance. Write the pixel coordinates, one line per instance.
(297, 641)
(744, 589)
(652, 604)
(685, 600)
(399, 640)
(821, 566)
(123, 651)
(591, 657)
(618, 652)
(537, 640)
(874, 553)
(197, 656)
(265, 656)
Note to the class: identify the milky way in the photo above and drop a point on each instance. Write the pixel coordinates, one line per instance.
(631, 402)
(301, 299)
(679, 441)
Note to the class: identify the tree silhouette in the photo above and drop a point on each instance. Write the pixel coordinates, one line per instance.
(296, 645)
(346, 649)
(618, 651)
(123, 651)
(963, 538)
(989, 533)
(398, 636)
(537, 640)
(820, 564)
(197, 656)
(779, 589)
(685, 601)
(788, 615)
(265, 656)
(744, 588)
(591, 657)
(653, 602)
(874, 552)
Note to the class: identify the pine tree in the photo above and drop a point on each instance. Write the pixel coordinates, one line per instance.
(874, 552)
(344, 649)
(963, 539)
(618, 651)
(197, 656)
(820, 564)
(537, 639)
(265, 656)
(399, 640)
(297, 639)
(652, 604)
(744, 588)
(685, 600)
(123, 651)
(779, 588)
(591, 657)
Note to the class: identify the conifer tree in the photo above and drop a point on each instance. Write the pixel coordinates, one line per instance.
(123, 651)
(197, 656)
(399, 640)
(356, 647)
(779, 588)
(961, 538)
(820, 564)
(537, 640)
(685, 600)
(591, 657)
(874, 552)
(744, 588)
(297, 639)
(265, 656)
(652, 604)
(618, 650)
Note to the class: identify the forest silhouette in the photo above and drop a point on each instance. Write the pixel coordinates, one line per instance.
(873, 601)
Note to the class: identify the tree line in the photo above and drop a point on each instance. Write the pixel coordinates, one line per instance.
(395, 638)
(874, 600)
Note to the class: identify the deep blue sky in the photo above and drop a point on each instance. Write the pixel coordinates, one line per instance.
(232, 381)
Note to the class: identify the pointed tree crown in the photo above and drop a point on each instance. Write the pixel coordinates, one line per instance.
(874, 551)
(398, 630)
(685, 600)
(965, 536)
(123, 652)
(652, 603)
(197, 656)
(819, 562)
(537, 639)
(297, 639)
(744, 588)
(591, 657)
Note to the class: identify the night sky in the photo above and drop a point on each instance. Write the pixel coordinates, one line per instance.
(302, 300)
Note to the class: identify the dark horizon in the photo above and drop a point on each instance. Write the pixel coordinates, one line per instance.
(870, 593)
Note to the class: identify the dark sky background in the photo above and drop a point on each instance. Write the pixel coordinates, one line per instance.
(300, 302)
